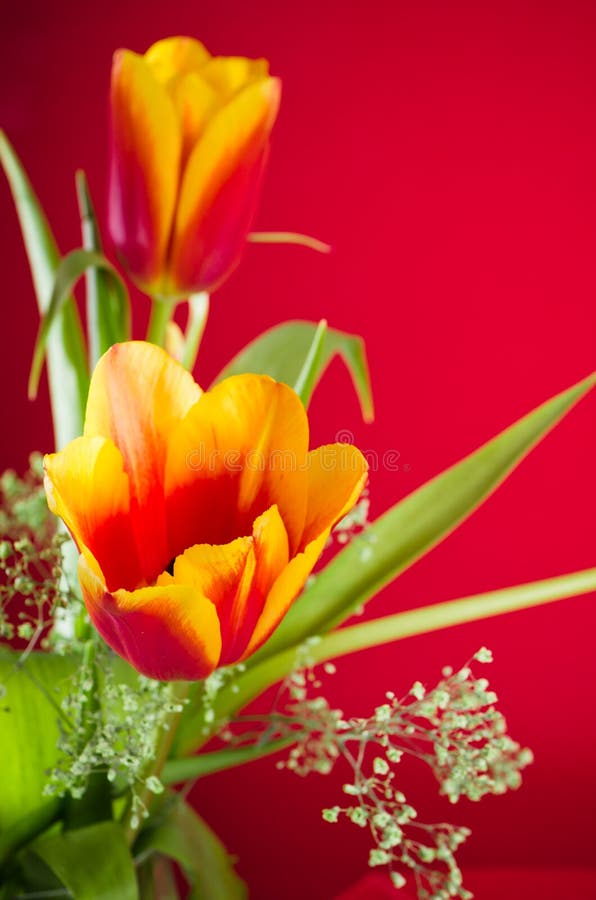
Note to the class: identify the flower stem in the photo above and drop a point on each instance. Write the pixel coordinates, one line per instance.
(165, 737)
(162, 311)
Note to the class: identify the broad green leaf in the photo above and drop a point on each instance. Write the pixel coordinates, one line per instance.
(415, 525)
(29, 714)
(179, 833)
(108, 307)
(390, 545)
(28, 827)
(67, 367)
(282, 351)
(94, 863)
(68, 273)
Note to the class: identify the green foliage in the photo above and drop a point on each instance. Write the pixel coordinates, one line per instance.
(283, 351)
(108, 307)
(376, 556)
(67, 366)
(29, 730)
(111, 719)
(412, 527)
(179, 833)
(93, 863)
(115, 311)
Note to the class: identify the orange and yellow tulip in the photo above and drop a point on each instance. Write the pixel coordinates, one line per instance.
(198, 516)
(189, 142)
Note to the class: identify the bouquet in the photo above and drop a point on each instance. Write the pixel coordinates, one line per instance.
(183, 550)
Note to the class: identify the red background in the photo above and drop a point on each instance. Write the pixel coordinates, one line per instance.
(448, 151)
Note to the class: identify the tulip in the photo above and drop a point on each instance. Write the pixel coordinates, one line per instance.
(189, 142)
(198, 516)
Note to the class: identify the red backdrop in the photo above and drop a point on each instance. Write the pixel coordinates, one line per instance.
(448, 151)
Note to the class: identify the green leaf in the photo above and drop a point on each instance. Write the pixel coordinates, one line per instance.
(282, 351)
(67, 366)
(388, 629)
(308, 375)
(198, 312)
(408, 531)
(108, 306)
(452, 612)
(29, 714)
(289, 237)
(94, 863)
(27, 827)
(415, 525)
(176, 771)
(68, 273)
(178, 832)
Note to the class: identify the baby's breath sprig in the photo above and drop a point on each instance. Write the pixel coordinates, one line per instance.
(354, 522)
(112, 719)
(454, 728)
(32, 587)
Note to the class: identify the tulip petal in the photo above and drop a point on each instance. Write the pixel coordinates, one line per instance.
(284, 591)
(230, 74)
(240, 449)
(337, 474)
(195, 102)
(146, 146)
(175, 56)
(138, 394)
(220, 189)
(271, 548)
(166, 632)
(87, 487)
(236, 577)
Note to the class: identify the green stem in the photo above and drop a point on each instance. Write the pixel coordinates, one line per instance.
(383, 631)
(164, 741)
(178, 770)
(198, 312)
(162, 311)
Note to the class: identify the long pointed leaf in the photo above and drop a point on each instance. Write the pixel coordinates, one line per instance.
(68, 273)
(178, 770)
(108, 307)
(289, 237)
(374, 633)
(282, 351)
(416, 524)
(67, 365)
(395, 541)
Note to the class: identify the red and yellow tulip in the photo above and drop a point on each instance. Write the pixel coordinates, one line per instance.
(190, 138)
(198, 516)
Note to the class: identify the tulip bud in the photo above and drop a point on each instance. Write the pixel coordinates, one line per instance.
(189, 143)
